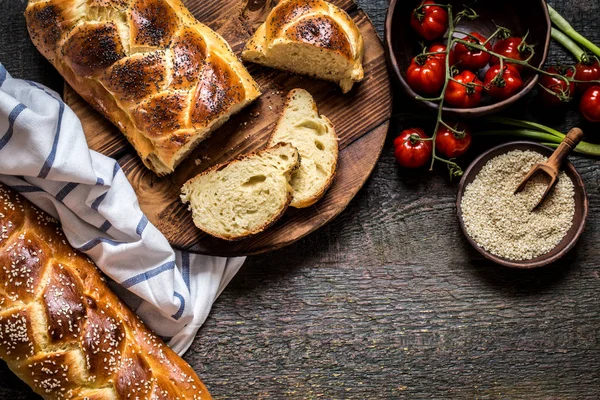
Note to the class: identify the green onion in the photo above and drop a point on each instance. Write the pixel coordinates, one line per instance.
(538, 132)
(564, 26)
(525, 124)
(568, 44)
(521, 133)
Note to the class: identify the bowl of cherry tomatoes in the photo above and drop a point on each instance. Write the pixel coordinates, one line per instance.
(470, 81)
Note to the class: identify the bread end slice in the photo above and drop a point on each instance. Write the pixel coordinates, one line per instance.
(244, 197)
(314, 136)
(313, 38)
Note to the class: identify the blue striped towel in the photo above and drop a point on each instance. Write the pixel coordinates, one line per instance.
(45, 157)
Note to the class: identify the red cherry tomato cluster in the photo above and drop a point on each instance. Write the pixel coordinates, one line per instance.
(426, 73)
(453, 143)
(438, 48)
(464, 91)
(413, 148)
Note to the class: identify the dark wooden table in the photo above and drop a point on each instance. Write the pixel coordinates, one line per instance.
(388, 300)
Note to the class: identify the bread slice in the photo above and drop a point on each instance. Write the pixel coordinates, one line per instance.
(245, 196)
(310, 37)
(314, 137)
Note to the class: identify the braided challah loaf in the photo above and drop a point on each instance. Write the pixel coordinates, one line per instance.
(164, 79)
(310, 37)
(64, 332)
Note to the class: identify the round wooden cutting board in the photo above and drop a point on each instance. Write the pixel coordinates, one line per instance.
(361, 118)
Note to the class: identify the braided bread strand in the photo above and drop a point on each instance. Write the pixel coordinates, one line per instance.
(64, 332)
(163, 78)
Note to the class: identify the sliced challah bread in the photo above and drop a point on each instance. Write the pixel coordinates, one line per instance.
(245, 196)
(310, 37)
(314, 137)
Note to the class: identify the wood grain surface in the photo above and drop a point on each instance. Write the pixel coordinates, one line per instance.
(388, 301)
(360, 118)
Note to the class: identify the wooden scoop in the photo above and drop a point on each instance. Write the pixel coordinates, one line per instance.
(552, 166)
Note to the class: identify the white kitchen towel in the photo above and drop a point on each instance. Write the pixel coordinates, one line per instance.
(45, 157)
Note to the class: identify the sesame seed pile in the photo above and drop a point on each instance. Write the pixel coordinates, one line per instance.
(502, 222)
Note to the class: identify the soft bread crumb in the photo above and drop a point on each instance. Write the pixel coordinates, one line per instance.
(315, 138)
(245, 196)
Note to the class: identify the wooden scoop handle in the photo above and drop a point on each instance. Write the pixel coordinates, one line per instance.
(568, 144)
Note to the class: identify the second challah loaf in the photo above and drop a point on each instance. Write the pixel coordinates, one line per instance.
(64, 332)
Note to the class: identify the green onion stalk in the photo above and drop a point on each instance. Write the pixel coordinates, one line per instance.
(567, 29)
(569, 44)
(537, 132)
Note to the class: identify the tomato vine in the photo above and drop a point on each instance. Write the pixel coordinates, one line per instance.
(472, 85)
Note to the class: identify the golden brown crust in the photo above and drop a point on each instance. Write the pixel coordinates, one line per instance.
(295, 25)
(61, 328)
(153, 23)
(162, 114)
(218, 90)
(288, 11)
(114, 4)
(310, 22)
(189, 53)
(121, 55)
(136, 77)
(47, 24)
(323, 32)
(92, 48)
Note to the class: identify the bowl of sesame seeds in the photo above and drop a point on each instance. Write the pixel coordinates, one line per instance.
(502, 225)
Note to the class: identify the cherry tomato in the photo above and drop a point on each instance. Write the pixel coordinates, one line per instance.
(512, 47)
(465, 94)
(506, 86)
(435, 48)
(590, 104)
(426, 74)
(587, 72)
(452, 144)
(468, 58)
(439, 47)
(431, 22)
(556, 85)
(410, 152)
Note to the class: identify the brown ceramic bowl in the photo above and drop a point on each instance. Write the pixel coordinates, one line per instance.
(581, 205)
(520, 16)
